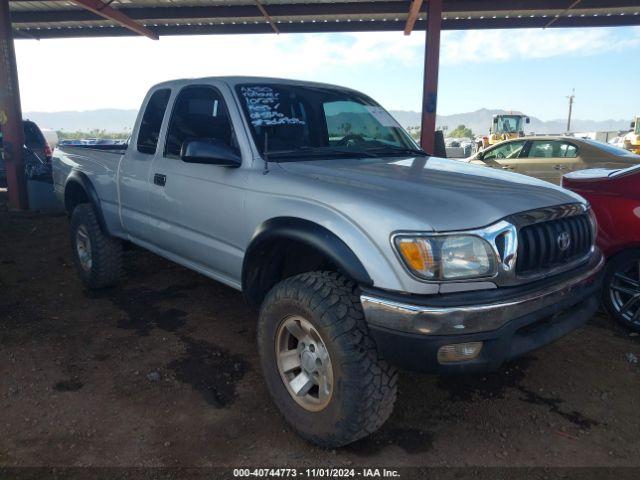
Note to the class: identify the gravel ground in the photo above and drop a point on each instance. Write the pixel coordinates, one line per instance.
(163, 371)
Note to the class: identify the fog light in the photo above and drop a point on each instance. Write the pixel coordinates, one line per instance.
(460, 352)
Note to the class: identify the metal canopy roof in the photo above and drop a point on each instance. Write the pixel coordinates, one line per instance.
(91, 18)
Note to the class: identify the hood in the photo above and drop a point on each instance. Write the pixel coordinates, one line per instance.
(444, 194)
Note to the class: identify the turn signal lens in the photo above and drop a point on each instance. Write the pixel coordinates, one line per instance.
(459, 352)
(418, 255)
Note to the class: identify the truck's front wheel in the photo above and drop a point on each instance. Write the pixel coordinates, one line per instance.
(320, 364)
(97, 255)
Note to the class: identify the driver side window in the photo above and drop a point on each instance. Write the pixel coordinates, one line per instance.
(506, 150)
(199, 113)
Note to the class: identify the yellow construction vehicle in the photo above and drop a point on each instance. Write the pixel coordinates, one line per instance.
(504, 126)
(632, 139)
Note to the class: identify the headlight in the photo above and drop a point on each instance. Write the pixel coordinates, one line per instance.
(447, 257)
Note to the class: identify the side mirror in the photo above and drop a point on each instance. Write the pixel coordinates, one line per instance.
(210, 151)
(480, 155)
(527, 120)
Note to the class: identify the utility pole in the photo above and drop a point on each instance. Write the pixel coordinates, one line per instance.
(571, 99)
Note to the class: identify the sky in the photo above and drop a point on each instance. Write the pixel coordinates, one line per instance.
(530, 70)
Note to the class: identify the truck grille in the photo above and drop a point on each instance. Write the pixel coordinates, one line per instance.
(546, 245)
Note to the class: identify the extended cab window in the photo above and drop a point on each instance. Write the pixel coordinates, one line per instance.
(505, 150)
(199, 113)
(152, 121)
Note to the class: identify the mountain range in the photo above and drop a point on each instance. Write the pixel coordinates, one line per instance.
(479, 122)
(117, 120)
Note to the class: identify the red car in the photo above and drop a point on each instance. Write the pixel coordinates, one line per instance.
(615, 198)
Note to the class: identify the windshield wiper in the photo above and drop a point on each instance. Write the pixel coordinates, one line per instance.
(318, 152)
(399, 150)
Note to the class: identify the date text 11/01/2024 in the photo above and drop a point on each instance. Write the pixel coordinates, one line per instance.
(315, 472)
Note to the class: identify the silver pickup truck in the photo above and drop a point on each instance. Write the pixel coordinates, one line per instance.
(363, 253)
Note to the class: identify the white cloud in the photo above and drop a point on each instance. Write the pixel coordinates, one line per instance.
(505, 45)
(73, 74)
(63, 74)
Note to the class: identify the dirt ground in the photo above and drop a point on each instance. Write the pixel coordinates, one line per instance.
(163, 371)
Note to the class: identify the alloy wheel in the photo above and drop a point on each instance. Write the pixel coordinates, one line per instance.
(83, 248)
(624, 292)
(304, 363)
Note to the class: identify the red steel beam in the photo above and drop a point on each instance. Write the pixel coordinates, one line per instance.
(105, 11)
(266, 15)
(414, 11)
(11, 115)
(555, 19)
(430, 81)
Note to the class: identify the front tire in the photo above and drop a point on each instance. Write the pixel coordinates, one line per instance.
(621, 292)
(97, 255)
(320, 363)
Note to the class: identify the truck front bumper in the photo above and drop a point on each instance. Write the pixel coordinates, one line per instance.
(410, 330)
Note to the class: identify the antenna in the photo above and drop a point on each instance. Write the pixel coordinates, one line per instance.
(571, 100)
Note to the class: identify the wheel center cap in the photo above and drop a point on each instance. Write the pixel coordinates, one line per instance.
(308, 360)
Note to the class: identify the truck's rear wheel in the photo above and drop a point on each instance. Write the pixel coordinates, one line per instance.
(319, 361)
(97, 255)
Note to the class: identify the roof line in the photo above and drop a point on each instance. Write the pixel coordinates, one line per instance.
(210, 28)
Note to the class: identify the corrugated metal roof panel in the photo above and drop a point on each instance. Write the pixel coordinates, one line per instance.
(43, 18)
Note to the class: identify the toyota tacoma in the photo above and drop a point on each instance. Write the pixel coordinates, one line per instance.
(363, 253)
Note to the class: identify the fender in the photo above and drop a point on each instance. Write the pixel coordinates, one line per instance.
(81, 179)
(311, 234)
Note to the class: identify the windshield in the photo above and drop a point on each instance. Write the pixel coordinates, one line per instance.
(33, 137)
(300, 122)
(509, 124)
(637, 130)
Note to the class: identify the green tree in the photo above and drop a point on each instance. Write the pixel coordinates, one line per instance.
(95, 133)
(461, 132)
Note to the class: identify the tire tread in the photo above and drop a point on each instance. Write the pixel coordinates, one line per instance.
(334, 300)
(106, 251)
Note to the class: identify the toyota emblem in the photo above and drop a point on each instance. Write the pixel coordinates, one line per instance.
(564, 241)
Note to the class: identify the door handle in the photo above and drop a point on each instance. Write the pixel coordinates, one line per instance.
(160, 179)
(559, 167)
(507, 167)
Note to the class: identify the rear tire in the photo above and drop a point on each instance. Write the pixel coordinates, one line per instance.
(324, 312)
(96, 255)
(621, 291)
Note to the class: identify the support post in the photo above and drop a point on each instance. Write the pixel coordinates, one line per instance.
(430, 80)
(11, 114)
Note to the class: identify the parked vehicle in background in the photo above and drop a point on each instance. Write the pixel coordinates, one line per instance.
(51, 136)
(34, 140)
(614, 196)
(550, 157)
(458, 147)
(631, 140)
(503, 127)
(362, 251)
(617, 141)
